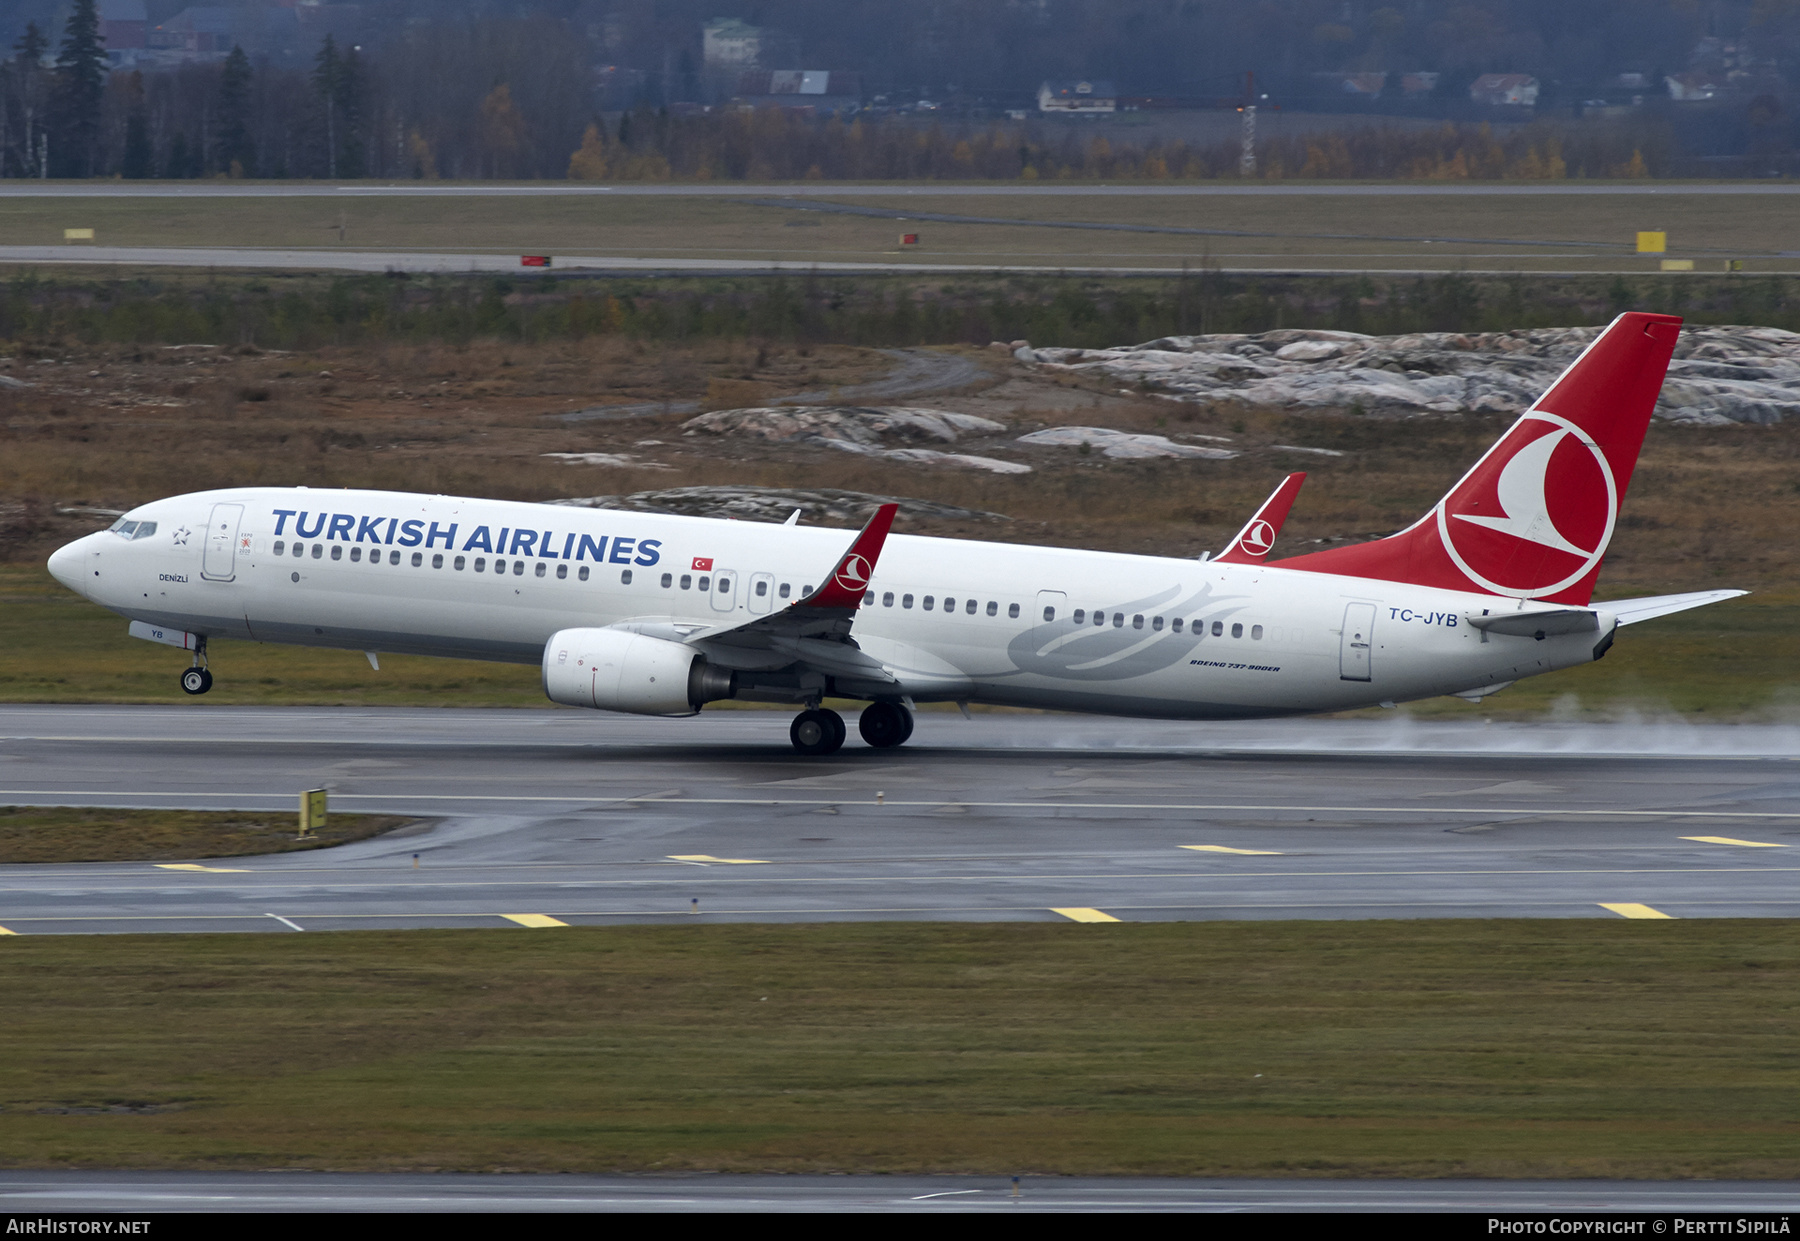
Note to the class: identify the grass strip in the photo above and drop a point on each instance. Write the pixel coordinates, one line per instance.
(78, 834)
(1410, 1048)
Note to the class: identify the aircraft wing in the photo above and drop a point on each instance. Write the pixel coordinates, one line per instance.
(1631, 611)
(1257, 539)
(816, 628)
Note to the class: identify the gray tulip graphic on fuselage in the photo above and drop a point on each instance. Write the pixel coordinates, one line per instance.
(1115, 651)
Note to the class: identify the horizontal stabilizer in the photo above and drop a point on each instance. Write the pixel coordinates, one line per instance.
(1631, 611)
(1537, 623)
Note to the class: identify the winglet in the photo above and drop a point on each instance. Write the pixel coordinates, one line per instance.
(1257, 539)
(845, 587)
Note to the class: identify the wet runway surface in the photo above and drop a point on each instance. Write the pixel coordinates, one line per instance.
(547, 818)
(151, 1192)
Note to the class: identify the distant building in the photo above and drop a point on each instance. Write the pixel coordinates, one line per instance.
(1412, 84)
(123, 24)
(824, 90)
(1093, 96)
(1363, 85)
(1695, 85)
(727, 42)
(1505, 90)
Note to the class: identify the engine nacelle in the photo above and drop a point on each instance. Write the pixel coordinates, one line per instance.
(616, 670)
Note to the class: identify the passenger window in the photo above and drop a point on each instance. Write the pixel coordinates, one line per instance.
(949, 604)
(1175, 625)
(906, 601)
(1080, 615)
(1218, 628)
(993, 609)
(337, 551)
(582, 573)
(1237, 631)
(705, 582)
(1256, 633)
(724, 586)
(625, 578)
(299, 549)
(418, 559)
(355, 554)
(394, 557)
(868, 599)
(1118, 620)
(280, 547)
(539, 570)
(762, 589)
(785, 588)
(562, 571)
(1099, 618)
(806, 590)
(668, 580)
(1012, 610)
(1156, 624)
(519, 568)
(458, 564)
(437, 560)
(887, 600)
(1137, 622)
(926, 603)
(1050, 615)
(318, 551)
(481, 564)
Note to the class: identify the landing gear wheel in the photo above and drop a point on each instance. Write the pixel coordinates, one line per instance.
(196, 681)
(885, 724)
(817, 732)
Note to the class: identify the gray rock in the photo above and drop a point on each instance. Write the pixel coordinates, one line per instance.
(1123, 444)
(870, 426)
(817, 506)
(7, 381)
(1718, 375)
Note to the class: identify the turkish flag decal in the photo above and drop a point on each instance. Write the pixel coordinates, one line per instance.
(703, 564)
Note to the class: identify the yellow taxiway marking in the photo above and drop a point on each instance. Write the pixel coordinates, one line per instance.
(1076, 914)
(722, 861)
(1228, 849)
(211, 870)
(533, 920)
(1629, 909)
(1732, 840)
(4, 931)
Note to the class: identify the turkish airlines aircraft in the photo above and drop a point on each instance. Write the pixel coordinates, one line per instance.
(659, 615)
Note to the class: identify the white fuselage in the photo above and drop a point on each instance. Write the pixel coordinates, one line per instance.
(1184, 639)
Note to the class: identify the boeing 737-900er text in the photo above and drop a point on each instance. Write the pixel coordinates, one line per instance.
(659, 615)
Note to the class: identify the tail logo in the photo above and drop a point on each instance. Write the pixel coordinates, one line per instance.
(1258, 538)
(1536, 514)
(853, 574)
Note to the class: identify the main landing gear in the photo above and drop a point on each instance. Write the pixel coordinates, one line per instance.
(198, 679)
(818, 731)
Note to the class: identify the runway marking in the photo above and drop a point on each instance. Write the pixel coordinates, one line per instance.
(1628, 909)
(1729, 840)
(211, 870)
(1081, 914)
(533, 920)
(1229, 849)
(589, 799)
(4, 931)
(285, 922)
(708, 859)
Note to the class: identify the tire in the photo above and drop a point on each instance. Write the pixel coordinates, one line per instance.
(817, 732)
(196, 681)
(885, 724)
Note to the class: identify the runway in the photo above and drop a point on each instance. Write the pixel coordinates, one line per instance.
(151, 1192)
(564, 818)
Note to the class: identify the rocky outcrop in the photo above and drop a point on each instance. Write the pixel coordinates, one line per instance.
(1719, 374)
(1123, 444)
(845, 508)
(868, 426)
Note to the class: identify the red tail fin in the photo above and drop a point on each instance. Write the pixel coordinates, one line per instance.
(1257, 539)
(1533, 518)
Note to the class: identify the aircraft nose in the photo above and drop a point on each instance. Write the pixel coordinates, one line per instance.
(66, 565)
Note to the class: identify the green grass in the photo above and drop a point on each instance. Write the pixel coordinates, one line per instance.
(1456, 1048)
(65, 834)
(1735, 660)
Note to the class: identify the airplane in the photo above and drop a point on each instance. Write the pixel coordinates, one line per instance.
(661, 615)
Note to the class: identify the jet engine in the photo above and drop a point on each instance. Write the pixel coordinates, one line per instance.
(617, 670)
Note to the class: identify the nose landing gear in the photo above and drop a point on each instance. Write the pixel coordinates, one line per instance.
(198, 679)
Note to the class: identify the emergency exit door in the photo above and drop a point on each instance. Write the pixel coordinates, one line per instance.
(1358, 642)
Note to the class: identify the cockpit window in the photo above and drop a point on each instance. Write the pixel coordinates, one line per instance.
(124, 528)
(144, 530)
